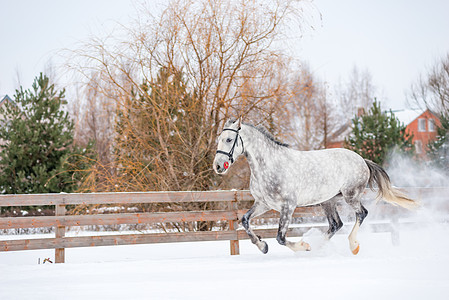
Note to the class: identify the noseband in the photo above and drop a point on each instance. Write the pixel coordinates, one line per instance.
(230, 154)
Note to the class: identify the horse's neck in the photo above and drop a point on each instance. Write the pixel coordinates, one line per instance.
(258, 148)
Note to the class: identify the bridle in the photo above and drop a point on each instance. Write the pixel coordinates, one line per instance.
(230, 154)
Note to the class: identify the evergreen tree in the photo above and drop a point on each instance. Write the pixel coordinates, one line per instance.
(438, 150)
(37, 138)
(376, 133)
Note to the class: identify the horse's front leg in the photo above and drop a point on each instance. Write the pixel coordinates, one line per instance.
(256, 210)
(284, 222)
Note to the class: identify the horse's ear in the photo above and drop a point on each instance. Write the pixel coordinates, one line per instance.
(239, 122)
(229, 122)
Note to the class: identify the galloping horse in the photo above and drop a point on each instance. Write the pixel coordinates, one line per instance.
(283, 178)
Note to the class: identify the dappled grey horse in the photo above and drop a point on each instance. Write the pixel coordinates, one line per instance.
(283, 178)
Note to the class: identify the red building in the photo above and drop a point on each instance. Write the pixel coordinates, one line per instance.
(423, 126)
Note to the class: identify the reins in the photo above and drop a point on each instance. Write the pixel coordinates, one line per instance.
(230, 154)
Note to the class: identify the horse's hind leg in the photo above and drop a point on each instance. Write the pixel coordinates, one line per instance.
(352, 197)
(284, 222)
(330, 209)
(256, 210)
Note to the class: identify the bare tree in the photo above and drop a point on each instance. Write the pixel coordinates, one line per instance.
(357, 93)
(432, 90)
(94, 116)
(222, 56)
(305, 115)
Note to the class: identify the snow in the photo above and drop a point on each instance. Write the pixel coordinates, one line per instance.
(415, 269)
(108, 209)
(406, 116)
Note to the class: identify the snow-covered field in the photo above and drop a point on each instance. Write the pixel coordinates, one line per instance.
(416, 269)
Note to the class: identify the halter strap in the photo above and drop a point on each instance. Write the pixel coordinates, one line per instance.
(230, 154)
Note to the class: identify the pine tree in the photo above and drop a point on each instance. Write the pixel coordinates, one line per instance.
(438, 150)
(37, 138)
(375, 134)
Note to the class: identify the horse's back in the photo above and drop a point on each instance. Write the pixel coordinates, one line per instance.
(322, 174)
(343, 159)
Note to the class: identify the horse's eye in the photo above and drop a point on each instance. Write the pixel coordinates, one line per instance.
(228, 140)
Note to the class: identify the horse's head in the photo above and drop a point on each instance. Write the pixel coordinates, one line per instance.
(230, 146)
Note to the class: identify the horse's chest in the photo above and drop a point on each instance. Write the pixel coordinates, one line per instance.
(267, 189)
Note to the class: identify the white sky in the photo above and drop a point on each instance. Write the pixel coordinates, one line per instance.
(394, 40)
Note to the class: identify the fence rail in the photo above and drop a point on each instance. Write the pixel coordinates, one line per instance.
(60, 221)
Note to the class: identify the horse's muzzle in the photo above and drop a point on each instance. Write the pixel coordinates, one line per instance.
(221, 166)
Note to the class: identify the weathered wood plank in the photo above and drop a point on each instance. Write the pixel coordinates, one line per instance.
(131, 239)
(60, 233)
(119, 198)
(143, 218)
(159, 197)
(112, 219)
(244, 195)
(111, 240)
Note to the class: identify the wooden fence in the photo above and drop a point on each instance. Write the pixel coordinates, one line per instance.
(60, 220)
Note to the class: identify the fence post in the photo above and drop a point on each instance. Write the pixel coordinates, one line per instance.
(60, 233)
(233, 225)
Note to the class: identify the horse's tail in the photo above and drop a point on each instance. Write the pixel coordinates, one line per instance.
(379, 176)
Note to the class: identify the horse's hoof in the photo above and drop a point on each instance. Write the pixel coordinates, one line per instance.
(307, 247)
(298, 246)
(263, 246)
(356, 250)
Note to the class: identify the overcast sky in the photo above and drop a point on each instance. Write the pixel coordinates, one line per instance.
(394, 40)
